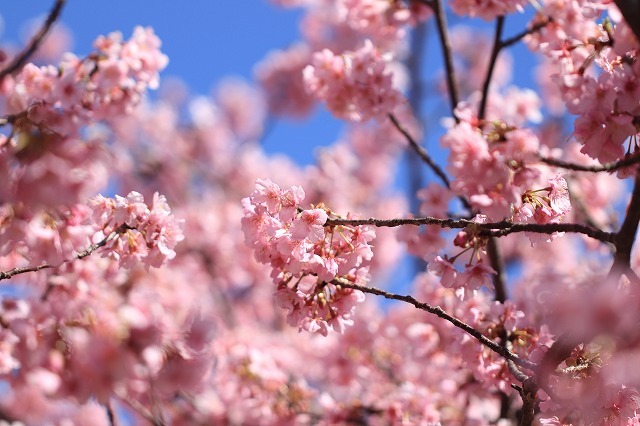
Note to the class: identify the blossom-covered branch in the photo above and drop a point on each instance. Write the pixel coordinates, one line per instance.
(132, 232)
(6, 275)
(436, 310)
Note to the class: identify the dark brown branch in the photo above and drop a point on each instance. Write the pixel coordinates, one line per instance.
(436, 310)
(529, 395)
(5, 275)
(607, 167)
(20, 60)
(631, 12)
(626, 236)
(496, 229)
(498, 45)
(496, 262)
(495, 50)
(445, 43)
(422, 153)
(424, 156)
(12, 118)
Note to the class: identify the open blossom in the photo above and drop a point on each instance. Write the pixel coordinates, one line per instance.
(356, 86)
(137, 232)
(549, 208)
(465, 282)
(309, 260)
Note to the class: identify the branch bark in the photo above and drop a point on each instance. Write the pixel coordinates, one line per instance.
(495, 229)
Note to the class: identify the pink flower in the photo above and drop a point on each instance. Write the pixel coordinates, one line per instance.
(355, 85)
(475, 276)
(142, 234)
(559, 195)
(309, 224)
(443, 268)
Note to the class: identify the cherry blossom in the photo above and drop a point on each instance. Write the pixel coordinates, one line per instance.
(355, 84)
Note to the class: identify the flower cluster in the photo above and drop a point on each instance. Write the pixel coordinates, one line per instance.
(379, 19)
(486, 9)
(135, 232)
(310, 261)
(280, 76)
(355, 85)
(487, 164)
(108, 82)
(596, 71)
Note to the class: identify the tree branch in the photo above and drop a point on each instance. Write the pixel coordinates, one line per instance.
(5, 275)
(445, 43)
(436, 310)
(422, 153)
(626, 236)
(20, 60)
(496, 262)
(606, 167)
(497, 46)
(534, 29)
(496, 229)
(529, 395)
(631, 12)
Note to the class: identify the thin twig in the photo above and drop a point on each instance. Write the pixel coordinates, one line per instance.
(424, 156)
(436, 310)
(20, 60)
(422, 153)
(534, 29)
(606, 167)
(445, 43)
(519, 375)
(495, 50)
(496, 229)
(5, 275)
